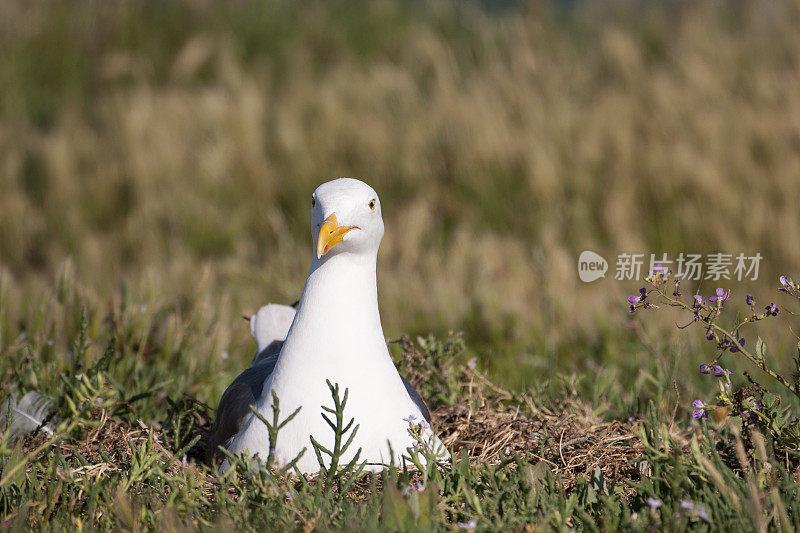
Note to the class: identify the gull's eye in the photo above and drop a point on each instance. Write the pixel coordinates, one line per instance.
(373, 203)
(313, 202)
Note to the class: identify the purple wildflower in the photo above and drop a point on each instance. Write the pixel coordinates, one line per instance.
(709, 334)
(701, 512)
(654, 503)
(687, 505)
(789, 286)
(658, 270)
(756, 405)
(467, 525)
(677, 291)
(750, 412)
(410, 419)
(772, 309)
(750, 300)
(635, 299)
(700, 412)
(699, 300)
(719, 371)
(733, 346)
(720, 295)
(705, 369)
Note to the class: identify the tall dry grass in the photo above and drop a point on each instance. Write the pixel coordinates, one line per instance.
(172, 148)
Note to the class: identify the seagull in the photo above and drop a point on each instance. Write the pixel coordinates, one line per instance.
(335, 334)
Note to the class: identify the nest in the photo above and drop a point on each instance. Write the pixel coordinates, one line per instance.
(571, 441)
(490, 423)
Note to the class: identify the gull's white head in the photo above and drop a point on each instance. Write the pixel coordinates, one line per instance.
(346, 218)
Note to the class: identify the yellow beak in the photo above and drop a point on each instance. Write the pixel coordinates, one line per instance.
(330, 234)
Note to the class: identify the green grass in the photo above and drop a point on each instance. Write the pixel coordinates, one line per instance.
(156, 160)
(122, 379)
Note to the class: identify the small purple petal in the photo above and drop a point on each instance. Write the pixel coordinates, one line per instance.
(654, 503)
(677, 291)
(701, 513)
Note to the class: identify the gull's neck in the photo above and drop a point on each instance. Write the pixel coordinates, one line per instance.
(338, 323)
(342, 291)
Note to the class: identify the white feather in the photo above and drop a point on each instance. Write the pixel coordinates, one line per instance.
(25, 416)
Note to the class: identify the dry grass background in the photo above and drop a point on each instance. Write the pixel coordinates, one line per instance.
(171, 149)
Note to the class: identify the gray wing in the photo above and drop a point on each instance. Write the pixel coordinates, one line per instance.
(272, 350)
(417, 399)
(234, 405)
